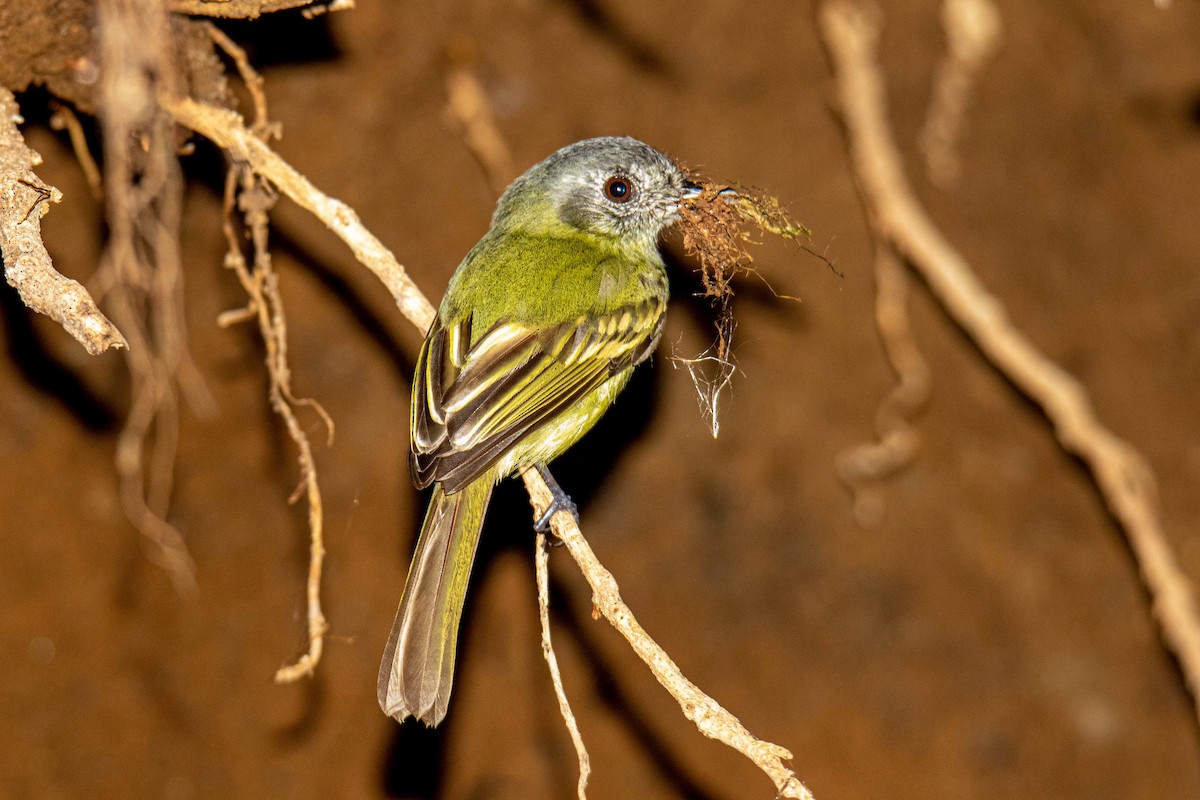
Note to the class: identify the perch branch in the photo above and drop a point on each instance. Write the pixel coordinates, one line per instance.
(705, 713)
(541, 561)
(24, 200)
(228, 131)
(1122, 475)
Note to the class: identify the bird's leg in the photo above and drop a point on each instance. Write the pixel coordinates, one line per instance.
(559, 501)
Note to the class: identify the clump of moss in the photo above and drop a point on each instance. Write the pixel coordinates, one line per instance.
(718, 224)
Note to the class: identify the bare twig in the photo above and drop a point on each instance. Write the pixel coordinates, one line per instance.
(263, 287)
(320, 9)
(542, 568)
(468, 107)
(972, 30)
(263, 128)
(64, 118)
(255, 200)
(1122, 475)
(227, 130)
(863, 467)
(252, 9)
(27, 265)
(708, 716)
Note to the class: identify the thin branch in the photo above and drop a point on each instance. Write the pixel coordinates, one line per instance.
(24, 200)
(467, 105)
(227, 130)
(263, 128)
(708, 716)
(252, 9)
(266, 305)
(864, 466)
(63, 118)
(972, 30)
(255, 200)
(541, 559)
(850, 32)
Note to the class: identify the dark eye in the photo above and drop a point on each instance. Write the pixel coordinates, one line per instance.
(618, 189)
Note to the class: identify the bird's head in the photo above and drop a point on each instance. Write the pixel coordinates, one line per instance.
(612, 187)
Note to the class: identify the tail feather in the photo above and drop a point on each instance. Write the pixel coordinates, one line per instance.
(418, 665)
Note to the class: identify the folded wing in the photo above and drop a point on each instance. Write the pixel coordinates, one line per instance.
(475, 400)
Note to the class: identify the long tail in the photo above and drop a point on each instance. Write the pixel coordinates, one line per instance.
(418, 664)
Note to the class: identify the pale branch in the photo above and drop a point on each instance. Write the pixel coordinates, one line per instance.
(262, 286)
(227, 130)
(467, 105)
(63, 118)
(253, 81)
(24, 200)
(863, 467)
(248, 147)
(541, 560)
(252, 9)
(850, 32)
(972, 29)
(705, 713)
(255, 200)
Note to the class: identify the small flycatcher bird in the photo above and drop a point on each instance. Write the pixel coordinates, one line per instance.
(539, 330)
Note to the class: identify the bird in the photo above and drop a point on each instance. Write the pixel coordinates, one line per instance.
(538, 332)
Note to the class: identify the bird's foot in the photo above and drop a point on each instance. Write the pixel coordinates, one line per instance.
(559, 501)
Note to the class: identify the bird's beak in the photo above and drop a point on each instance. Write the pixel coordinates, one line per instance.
(692, 190)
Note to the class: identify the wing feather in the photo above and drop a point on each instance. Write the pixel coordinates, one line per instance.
(471, 404)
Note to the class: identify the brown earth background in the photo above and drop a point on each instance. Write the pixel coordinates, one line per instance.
(989, 639)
